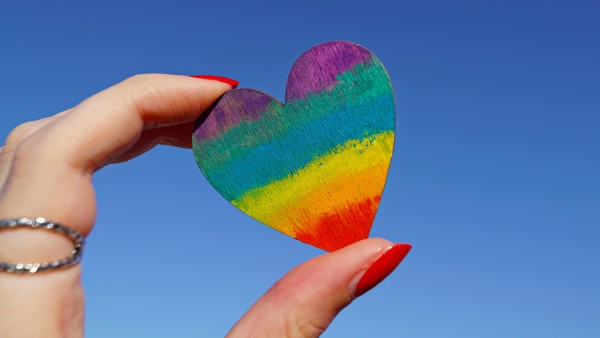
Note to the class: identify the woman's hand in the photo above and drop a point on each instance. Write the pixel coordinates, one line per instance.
(45, 171)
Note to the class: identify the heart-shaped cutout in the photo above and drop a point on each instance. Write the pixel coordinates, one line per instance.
(314, 168)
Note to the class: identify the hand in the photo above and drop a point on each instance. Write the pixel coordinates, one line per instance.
(60, 154)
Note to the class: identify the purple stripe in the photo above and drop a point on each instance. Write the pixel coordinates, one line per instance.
(318, 68)
(241, 105)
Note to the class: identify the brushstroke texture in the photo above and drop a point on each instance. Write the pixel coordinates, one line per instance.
(315, 167)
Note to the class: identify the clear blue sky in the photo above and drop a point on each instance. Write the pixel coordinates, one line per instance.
(495, 177)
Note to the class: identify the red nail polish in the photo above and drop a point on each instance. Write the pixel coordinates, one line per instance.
(231, 82)
(381, 268)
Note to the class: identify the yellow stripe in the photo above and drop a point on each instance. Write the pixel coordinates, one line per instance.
(350, 173)
(333, 198)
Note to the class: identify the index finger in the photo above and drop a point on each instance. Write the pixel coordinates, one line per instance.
(108, 123)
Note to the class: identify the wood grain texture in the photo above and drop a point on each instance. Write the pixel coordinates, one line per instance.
(314, 168)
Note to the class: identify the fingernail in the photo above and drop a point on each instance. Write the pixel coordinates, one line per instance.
(381, 268)
(233, 83)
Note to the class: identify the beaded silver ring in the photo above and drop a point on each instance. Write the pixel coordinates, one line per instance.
(42, 223)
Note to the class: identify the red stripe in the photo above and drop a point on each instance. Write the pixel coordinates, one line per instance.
(335, 231)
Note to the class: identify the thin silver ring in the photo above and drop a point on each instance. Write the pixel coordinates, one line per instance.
(41, 223)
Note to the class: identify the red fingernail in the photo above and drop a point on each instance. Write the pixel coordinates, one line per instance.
(233, 83)
(381, 268)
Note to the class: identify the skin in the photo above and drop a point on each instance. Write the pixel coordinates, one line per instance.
(60, 154)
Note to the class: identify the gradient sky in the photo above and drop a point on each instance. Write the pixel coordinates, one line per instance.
(494, 180)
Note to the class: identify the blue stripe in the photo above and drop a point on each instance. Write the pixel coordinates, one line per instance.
(295, 148)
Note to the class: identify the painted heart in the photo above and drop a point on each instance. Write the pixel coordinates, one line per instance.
(314, 168)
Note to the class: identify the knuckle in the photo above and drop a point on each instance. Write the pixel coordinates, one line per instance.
(14, 140)
(32, 154)
(18, 143)
(19, 133)
(142, 86)
(22, 151)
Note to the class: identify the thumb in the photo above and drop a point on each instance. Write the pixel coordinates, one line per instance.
(305, 301)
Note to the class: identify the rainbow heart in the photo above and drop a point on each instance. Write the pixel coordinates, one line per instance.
(314, 168)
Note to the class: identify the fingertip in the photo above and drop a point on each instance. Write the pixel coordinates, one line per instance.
(231, 82)
(380, 268)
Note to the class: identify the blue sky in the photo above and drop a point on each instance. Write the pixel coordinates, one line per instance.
(494, 180)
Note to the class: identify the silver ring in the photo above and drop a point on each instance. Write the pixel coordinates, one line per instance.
(42, 223)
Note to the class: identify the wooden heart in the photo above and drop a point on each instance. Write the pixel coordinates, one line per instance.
(314, 168)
